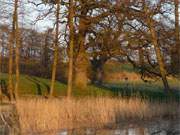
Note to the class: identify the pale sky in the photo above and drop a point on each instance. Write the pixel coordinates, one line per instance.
(29, 13)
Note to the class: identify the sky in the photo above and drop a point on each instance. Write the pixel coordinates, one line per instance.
(29, 13)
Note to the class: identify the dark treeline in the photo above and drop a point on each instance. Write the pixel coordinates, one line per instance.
(88, 33)
(35, 54)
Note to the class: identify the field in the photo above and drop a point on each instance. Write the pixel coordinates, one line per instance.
(113, 102)
(35, 86)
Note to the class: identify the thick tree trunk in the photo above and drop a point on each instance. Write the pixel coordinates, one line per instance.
(100, 75)
(98, 70)
(82, 63)
(17, 35)
(175, 62)
(71, 46)
(81, 78)
(54, 68)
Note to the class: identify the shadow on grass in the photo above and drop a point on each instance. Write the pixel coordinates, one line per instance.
(4, 88)
(151, 92)
(39, 83)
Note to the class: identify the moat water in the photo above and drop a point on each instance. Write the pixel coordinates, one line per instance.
(160, 127)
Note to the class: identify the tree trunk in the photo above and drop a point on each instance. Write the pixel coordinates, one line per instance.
(10, 66)
(54, 68)
(141, 56)
(17, 49)
(175, 62)
(71, 46)
(158, 55)
(82, 63)
(81, 78)
(0, 78)
(10, 71)
(45, 57)
(98, 70)
(100, 75)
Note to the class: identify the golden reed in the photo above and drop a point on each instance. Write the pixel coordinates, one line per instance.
(38, 115)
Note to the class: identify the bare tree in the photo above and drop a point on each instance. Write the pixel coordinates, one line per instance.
(154, 40)
(86, 19)
(176, 49)
(10, 70)
(71, 47)
(56, 42)
(17, 39)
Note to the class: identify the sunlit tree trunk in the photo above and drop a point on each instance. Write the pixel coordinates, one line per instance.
(71, 48)
(176, 50)
(17, 39)
(10, 63)
(1, 61)
(54, 68)
(158, 55)
(82, 64)
(0, 74)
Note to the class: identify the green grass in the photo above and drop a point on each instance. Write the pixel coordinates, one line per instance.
(151, 91)
(31, 85)
(34, 85)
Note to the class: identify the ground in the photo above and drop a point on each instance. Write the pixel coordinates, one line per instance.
(31, 85)
(117, 100)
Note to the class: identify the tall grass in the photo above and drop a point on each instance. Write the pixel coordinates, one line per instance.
(39, 115)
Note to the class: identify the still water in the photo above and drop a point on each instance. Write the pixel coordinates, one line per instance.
(162, 127)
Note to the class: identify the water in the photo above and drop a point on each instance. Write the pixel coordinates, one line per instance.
(162, 127)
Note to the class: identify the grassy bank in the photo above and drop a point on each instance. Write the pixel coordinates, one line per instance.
(39, 115)
(35, 86)
(31, 85)
(151, 91)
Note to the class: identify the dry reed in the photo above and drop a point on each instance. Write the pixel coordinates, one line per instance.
(38, 115)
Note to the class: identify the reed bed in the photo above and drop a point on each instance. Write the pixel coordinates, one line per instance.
(40, 115)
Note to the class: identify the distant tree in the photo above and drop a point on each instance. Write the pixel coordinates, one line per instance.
(45, 49)
(176, 49)
(3, 45)
(46, 52)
